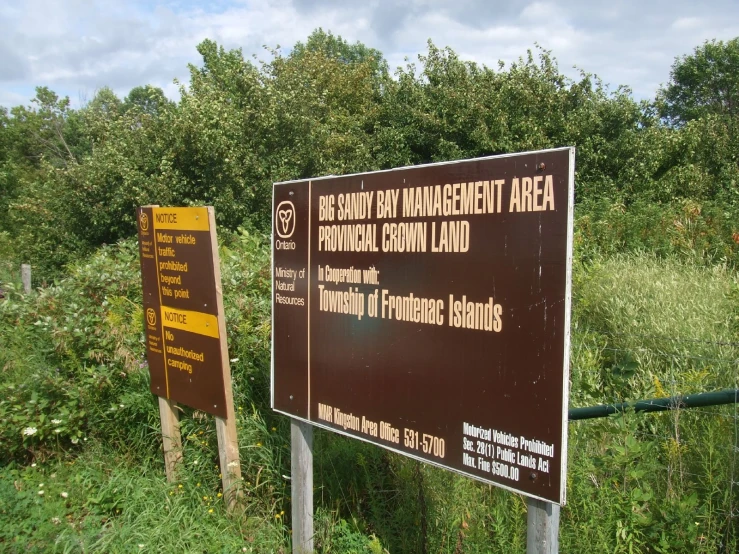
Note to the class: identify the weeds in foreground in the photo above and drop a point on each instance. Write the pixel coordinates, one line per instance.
(90, 477)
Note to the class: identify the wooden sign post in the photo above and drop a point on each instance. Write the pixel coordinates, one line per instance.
(171, 438)
(301, 485)
(186, 330)
(542, 527)
(26, 277)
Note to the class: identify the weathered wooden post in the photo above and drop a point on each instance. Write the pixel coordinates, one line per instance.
(301, 480)
(542, 532)
(228, 444)
(26, 277)
(171, 439)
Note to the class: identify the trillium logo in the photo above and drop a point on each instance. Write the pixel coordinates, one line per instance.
(151, 316)
(285, 219)
(144, 221)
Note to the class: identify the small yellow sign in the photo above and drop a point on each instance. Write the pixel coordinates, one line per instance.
(194, 322)
(181, 219)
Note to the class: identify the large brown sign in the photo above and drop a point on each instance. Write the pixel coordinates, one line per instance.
(427, 310)
(183, 323)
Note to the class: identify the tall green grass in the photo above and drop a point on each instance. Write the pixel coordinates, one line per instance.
(666, 326)
(73, 369)
(646, 327)
(97, 502)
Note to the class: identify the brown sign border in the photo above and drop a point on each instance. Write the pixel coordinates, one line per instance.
(567, 325)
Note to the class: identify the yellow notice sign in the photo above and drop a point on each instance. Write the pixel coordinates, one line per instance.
(181, 219)
(194, 322)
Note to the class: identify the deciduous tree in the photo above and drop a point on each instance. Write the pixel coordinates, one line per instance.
(705, 82)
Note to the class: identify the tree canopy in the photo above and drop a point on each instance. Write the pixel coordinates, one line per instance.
(704, 83)
(72, 178)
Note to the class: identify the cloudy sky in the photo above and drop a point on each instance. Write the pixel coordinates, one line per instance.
(76, 47)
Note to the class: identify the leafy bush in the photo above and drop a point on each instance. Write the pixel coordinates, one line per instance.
(87, 333)
(707, 232)
(73, 178)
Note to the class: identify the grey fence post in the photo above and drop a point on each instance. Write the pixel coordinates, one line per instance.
(542, 530)
(301, 462)
(26, 277)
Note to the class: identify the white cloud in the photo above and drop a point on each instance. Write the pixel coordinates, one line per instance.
(541, 12)
(9, 98)
(683, 23)
(76, 47)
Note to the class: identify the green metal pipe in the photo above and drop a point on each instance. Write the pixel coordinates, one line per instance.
(728, 396)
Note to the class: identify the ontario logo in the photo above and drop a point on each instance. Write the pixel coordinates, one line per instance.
(144, 221)
(151, 316)
(285, 225)
(285, 219)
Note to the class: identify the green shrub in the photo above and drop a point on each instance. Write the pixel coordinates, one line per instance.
(643, 326)
(704, 231)
(85, 362)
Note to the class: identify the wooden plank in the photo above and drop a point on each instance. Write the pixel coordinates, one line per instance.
(228, 454)
(171, 440)
(26, 277)
(301, 480)
(228, 446)
(542, 533)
